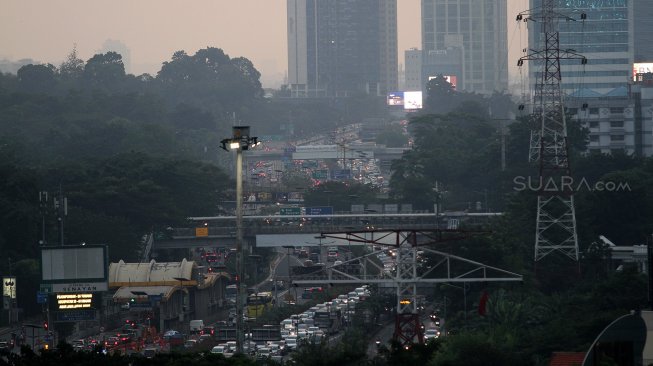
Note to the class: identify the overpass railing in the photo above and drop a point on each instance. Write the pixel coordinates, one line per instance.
(221, 226)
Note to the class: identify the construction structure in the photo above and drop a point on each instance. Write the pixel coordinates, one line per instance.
(556, 217)
(408, 274)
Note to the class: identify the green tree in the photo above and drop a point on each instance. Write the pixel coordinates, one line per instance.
(73, 66)
(440, 96)
(37, 78)
(471, 349)
(104, 71)
(392, 136)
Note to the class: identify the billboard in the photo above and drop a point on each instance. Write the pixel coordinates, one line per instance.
(396, 98)
(313, 152)
(9, 287)
(74, 268)
(641, 68)
(451, 79)
(413, 100)
(74, 301)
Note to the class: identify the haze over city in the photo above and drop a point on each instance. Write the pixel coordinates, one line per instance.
(152, 30)
(326, 182)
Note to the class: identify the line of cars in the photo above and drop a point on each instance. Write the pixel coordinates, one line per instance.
(314, 324)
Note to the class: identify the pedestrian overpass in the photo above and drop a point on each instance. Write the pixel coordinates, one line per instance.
(304, 230)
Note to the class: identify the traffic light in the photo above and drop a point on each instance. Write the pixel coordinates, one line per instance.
(45, 325)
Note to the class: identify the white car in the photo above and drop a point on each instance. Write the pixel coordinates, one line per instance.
(222, 349)
(431, 333)
(291, 343)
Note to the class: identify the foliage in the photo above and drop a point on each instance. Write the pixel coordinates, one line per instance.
(392, 136)
(471, 349)
(440, 95)
(339, 195)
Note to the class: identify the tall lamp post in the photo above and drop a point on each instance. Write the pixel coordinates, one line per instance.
(239, 141)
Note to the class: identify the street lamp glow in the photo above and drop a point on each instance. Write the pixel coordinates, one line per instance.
(239, 141)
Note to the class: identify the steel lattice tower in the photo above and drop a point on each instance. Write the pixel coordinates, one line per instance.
(447, 268)
(556, 217)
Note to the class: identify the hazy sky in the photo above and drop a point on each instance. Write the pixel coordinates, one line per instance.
(46, 31)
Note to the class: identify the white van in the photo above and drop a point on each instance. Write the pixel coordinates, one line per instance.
(287, 324)
(196, 326)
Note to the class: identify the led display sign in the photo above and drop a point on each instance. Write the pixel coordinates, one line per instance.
(74, 301)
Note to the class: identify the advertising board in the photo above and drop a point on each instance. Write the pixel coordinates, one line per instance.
(9, 287)
(74, 268)
(413, 100)
(642, 68)
(395, 98)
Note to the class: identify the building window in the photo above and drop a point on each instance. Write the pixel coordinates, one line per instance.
(616, 110)
(594, 111)
(617, 124)
(617, 138)
(594, 124)
(594, 138)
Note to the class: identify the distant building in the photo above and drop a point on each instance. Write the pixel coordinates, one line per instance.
(605, 38)
(605, 95)
(621, 121)
(340, 47)
(413, 72)
(643, 30)
(423, 66)
(478, 30)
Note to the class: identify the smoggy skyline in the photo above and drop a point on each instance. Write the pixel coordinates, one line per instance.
(152, 30)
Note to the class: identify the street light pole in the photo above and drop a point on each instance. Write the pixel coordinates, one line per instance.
(239, 141)
(240, 259)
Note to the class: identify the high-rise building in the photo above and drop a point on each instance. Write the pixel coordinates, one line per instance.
(478, 30)
(643, 30)
(413, 72)
(601, 94)
(342, 47)
(604, 38)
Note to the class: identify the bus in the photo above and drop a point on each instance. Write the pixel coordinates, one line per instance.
(257, 304)
(230, 294)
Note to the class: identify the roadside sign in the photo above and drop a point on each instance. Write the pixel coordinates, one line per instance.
(342, 174)
(41, 297)
(320, 174)
(140, 306)
(46, 287)
(319, 210)
(74, 315)
(290, 211)
(201, 231)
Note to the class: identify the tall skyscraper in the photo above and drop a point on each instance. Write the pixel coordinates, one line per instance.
(342, 47)
(604, 37)
(643, 15)
(478, 30)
